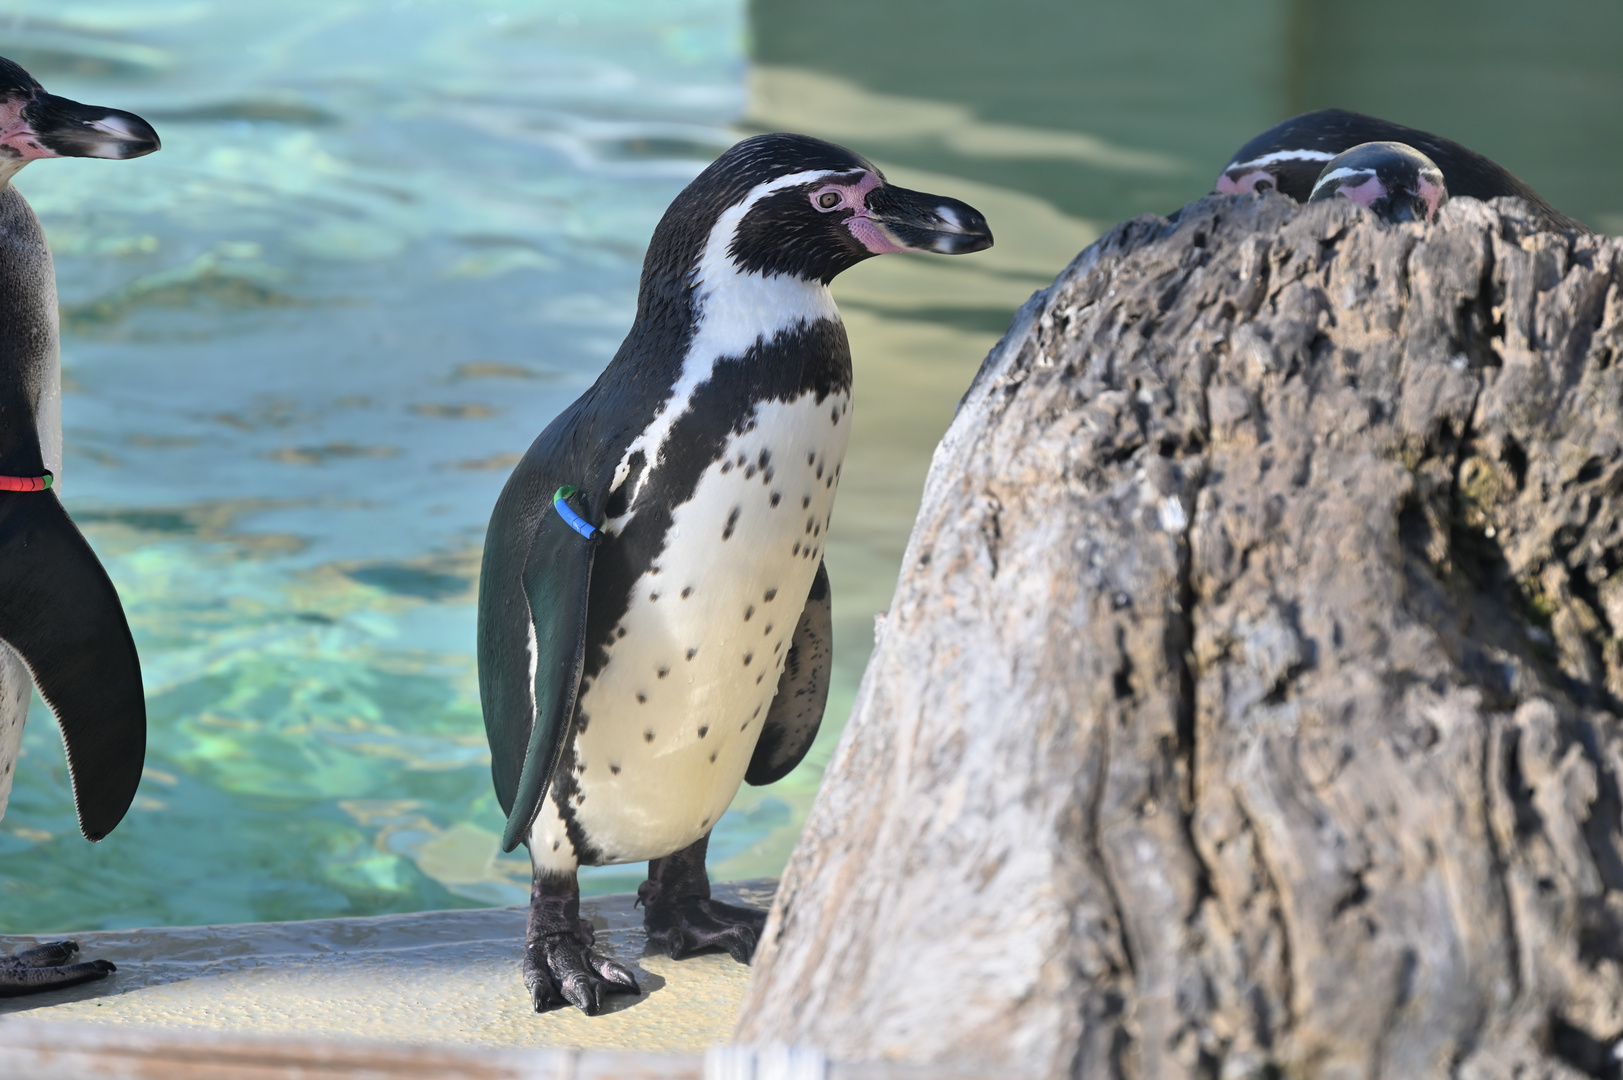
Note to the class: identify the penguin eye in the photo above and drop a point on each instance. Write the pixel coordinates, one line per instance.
(1263, 183)
(828, 200)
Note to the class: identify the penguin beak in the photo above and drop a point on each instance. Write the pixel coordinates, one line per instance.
(50, 126)
(916, 221)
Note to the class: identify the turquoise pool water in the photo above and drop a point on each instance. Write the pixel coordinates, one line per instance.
(382, 245)
(386, 241)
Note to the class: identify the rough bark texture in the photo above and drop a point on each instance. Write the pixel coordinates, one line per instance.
(1249, 702)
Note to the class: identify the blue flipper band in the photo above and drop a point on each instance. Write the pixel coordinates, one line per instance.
(572, 519)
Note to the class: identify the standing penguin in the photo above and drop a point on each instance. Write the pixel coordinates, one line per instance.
(1290, 157)
(61, 626)
(653, 611)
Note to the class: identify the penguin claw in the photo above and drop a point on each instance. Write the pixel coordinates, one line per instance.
(45, 967)
(693, 924)
(560, 970)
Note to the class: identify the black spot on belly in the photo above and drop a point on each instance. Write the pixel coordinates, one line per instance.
(747, 658)
(766, 456)
(652, 597)
(712, 758)
(805, 501)
(811, 459)
(817, 530)
(615, 769)
(749, 473)
(642, 699)
(777, 497)
(811, 521)
(756, 713)
(766, 475)
(748, 612)
(829, 483)
(726, 467)
(693, 650)
(555, 845)
(796, 551)
(687, 592)
(768, 631)
(703, 732)
(759, 677)
(619, 631)
(648, 736)
(703, 823)
(664, 671)
(834, 416)
(732, 521)
(771, 595)
(819, 470)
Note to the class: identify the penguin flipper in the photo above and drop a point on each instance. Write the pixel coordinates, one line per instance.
(557, 579)
(797, 708)
(60, 613)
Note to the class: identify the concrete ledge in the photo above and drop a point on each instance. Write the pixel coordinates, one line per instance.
(441, 978)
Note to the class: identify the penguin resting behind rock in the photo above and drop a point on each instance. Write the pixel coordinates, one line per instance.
(61, 625)
(1394, 181)
(654, 620)
(1290, 157)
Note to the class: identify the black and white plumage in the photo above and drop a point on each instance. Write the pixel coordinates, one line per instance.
(1290, 156)
(629, 684)
(62, 628)
(1394, 181)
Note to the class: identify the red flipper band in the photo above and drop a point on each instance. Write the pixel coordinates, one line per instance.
(25, 483)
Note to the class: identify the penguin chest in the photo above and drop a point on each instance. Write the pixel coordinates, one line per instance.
(667, 727)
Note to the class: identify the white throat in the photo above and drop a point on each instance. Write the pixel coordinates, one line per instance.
(736, 310)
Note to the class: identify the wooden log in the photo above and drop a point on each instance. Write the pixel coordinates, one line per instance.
(1249, 702)
(37, 1051)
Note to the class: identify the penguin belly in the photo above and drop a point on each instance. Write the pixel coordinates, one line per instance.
(16, 687)
(666, 729)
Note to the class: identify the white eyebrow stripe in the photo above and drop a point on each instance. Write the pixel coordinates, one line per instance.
(1339, 174)
(1280, 155)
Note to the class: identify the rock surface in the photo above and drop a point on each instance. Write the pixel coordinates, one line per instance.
(1249, 702)
(432, 977)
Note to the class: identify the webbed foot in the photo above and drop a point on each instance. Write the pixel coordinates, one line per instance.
(682, 919)
(693, 924)
(45, 967)
(560, 967)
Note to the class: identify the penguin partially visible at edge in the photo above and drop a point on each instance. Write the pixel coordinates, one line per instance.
(62, 628)
(1290, 156)
(654, 616)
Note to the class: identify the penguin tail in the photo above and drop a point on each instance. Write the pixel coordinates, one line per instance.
(60, 613)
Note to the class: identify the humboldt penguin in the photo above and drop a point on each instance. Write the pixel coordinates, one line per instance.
(1290, 156)
(654, 615)
(1394, 181)
(62, 628)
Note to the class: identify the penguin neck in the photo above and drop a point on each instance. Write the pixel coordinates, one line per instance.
(30, 372)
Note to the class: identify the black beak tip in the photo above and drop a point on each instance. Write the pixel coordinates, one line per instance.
(966, 230)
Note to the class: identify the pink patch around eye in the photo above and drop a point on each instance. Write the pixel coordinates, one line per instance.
(1363, 194)
(1246, 183)
(1433, 194)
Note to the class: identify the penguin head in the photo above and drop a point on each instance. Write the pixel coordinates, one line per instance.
(1289, 156)
(793, 205)
(36, 124)
(1394, 180)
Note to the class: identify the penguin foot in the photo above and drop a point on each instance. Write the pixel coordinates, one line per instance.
(45, 967)
(560, 967)
(695, 924)
(560, 970)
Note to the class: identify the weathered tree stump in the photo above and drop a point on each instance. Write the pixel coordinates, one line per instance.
(1249, 703)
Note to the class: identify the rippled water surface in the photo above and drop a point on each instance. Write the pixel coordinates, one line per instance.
(385, 242)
